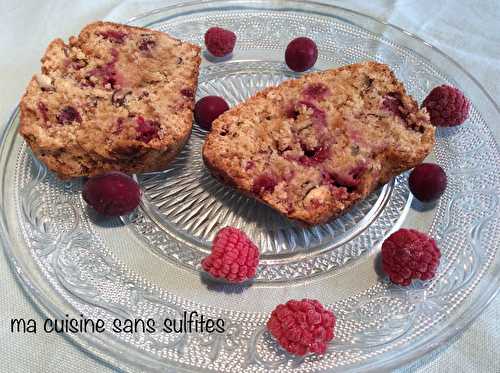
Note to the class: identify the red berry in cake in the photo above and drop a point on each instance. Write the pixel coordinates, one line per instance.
(69, 114)
(409, 254)
(112, 194)
(316, 91)
(147, 44)
(427, 182)
(147, 129)
(392, 102)
(114, 36)
(301, 54)
(447, 106)
(220, 42)
(234, 257)
(207, 109)
(314, 156)
(264, 183)
(302, 326)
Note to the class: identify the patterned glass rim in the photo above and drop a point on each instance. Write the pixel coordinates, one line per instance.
(112, 352)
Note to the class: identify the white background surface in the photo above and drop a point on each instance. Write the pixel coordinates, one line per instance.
(468, 31)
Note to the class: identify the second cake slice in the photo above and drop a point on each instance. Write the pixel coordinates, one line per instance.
(115, 98)
(312, 147)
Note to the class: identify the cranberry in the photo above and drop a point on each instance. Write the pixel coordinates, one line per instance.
(301, 54)
(427, 182)
(208, 109)
(146, 44)
(315, 156)
(187, 92)
(316, 91)
(264, 183)
(392, 102)
(108, 72)
(220, 42)
(114, 36)
(292, 112)
(69, 114)
(147, 129)
(112, 194)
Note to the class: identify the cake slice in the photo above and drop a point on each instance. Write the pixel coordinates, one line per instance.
(114, 98)
(312, 147)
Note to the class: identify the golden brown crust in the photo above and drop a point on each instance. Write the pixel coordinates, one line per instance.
(116, 97)
(312, 147)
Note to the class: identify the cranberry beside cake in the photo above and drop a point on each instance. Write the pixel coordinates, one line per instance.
(312, 147)
(115, 98)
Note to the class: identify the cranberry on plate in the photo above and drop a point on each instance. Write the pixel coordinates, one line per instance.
(427, 182)
(301, 54)
(112, 194)
(207, 109)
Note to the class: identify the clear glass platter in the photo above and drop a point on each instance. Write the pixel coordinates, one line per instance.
(147, 265)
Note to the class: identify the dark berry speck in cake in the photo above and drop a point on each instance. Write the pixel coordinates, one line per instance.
(114, 36)
(69, 114)
(264, 183)
(316, 91)
(147, 129)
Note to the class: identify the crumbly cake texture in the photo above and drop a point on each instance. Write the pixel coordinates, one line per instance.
(115, 98)
(312, 147)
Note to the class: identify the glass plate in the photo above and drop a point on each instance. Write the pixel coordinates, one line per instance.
(147, 265)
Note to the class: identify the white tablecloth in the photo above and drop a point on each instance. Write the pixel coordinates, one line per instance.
(468, 31)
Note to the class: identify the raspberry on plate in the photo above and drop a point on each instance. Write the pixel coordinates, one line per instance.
(234, 257)
(301, 54)
(302, 326)
(112, 194)
(220, 42)
(447, 106)
(409, 254)
(427, 182)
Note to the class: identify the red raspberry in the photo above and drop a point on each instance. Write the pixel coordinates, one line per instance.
(147, 129)
(302, 326)
(69, 114)
(447, 106)
(409, 254)
(234, 257)
(264, 183)
(219, 41)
